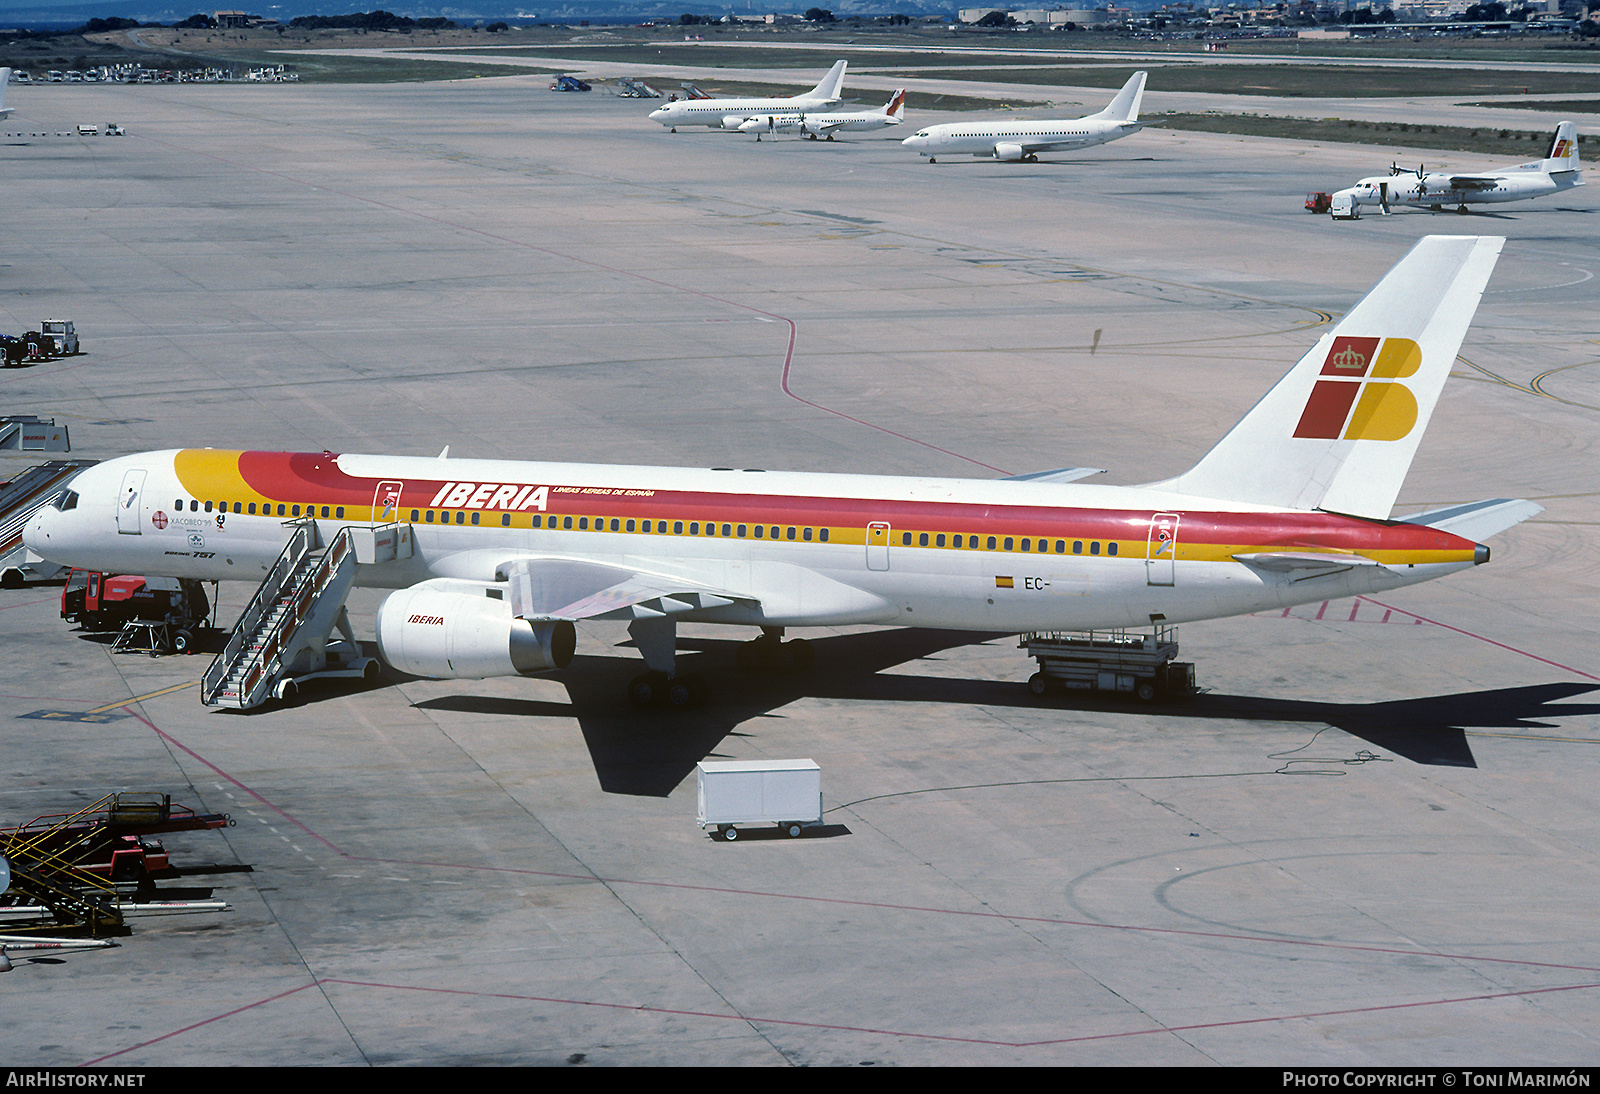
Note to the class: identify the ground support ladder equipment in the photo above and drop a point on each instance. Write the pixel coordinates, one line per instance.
(44, 858)
(281, 638)
(20, 498)
(1123, 661)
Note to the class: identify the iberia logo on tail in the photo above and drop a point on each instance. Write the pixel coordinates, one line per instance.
(1359, 396)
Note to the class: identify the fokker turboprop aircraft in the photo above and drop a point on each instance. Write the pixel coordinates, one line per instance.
(732, 113)
(1558, 171)
(1024, 139)
(826, 123)
(504, 557)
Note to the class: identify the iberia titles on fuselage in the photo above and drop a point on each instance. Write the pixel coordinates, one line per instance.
(1292, 505)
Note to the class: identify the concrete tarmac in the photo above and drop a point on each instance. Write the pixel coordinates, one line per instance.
(1374, 840)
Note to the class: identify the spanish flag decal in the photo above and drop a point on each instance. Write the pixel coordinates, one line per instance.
(1003, 583)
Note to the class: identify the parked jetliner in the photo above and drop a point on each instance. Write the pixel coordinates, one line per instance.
(1023, 139)
(1558, 171)
(732, 113)
(5, 78)
(1291, 506)
(827, 123)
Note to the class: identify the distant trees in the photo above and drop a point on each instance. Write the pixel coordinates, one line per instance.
(197, 21)
(994, 19)
(819, 15)
(368, 20)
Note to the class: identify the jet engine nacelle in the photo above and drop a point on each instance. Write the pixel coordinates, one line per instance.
(734, 121)
(452, 635)
(1010, 152)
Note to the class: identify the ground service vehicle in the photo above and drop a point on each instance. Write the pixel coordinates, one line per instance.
(105, 602)
(787, 793)
(60, 340)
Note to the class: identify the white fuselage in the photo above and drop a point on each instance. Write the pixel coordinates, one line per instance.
(799, 549)
(1016, 139)
(1438, 189)
(822, 122)
(732, 113)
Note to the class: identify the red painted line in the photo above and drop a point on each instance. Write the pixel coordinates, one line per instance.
(197, 1025)
(30, 603)
(1484, 638)
(221, 774)
(642, 1008)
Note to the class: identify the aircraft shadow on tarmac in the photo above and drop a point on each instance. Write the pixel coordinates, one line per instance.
(649, 754)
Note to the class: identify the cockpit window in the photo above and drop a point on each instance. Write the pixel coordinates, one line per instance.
(68, 500)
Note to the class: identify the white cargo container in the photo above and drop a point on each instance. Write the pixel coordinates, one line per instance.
(787, 793)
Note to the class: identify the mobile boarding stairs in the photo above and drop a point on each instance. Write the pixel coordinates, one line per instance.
(23, 496)
(282, 639)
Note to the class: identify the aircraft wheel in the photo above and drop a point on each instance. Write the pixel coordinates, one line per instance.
(1461, 209)
(643, 690)
(681, 693)
(830, 136)
(801, 655)
(1038, 684)
(932, 160)
(747, 658)
(182, 641)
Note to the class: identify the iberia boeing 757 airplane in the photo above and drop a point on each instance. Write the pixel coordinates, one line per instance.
(1293, 505)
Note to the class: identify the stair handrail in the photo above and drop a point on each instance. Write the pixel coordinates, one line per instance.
(254, 671)
(303, 538)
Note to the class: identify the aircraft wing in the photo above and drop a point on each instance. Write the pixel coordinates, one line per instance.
(1473, 182)
(571, 589)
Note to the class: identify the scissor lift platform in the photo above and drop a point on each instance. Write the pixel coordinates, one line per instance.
(1136, 663)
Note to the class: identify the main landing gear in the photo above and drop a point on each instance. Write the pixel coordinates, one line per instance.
(663, 687)
(770, 653)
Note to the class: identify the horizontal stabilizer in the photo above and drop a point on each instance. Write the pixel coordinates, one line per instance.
(1479, 520)
(1060, 474)
(1285, 561)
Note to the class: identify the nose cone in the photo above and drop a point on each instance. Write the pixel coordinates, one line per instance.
(659, 114)
(37, 533)
(916, 143)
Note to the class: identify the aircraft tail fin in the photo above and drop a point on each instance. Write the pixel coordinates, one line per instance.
(1563, 153)
(1125, 107)
(897, 105)
(831, 84)
(1338, 432)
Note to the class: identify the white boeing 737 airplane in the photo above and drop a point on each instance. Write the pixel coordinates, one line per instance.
(1558, 171)
(732, 113)
(504, 557)
(1022, 139)
(826, 123)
